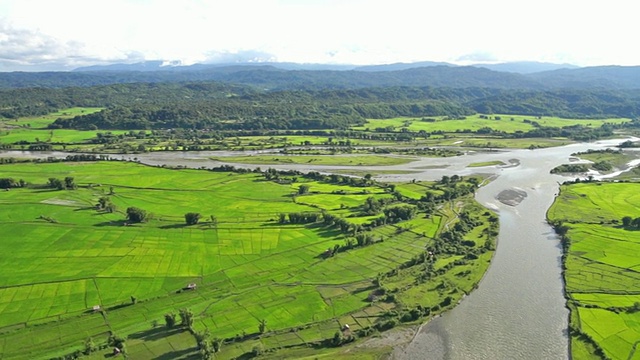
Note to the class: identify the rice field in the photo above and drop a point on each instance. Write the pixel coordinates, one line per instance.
(602, 269)
(61, 257)
(506, 123)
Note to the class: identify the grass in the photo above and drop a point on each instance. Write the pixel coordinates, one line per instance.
(486, 163)
(248, 267)
(58, 136)
(352, 160)
(506, 123)
(602, 271)
(41, 122)
(616, 158)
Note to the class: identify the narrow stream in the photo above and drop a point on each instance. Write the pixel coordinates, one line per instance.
(518, 311)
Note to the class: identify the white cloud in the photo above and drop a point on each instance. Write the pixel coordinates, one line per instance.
(347, 31)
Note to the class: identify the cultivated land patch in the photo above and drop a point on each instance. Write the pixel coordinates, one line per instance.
(602, 269)
(506, 123)
(306, 254)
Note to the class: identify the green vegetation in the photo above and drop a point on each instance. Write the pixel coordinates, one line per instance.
(487, 163)
(402, 136)
(482, 123)
(608, 159)
(570, 168)
(603, 161)
(597, 223)
(276, 259)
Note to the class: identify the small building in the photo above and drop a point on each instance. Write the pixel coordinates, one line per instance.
(96, 308)
(191, 286)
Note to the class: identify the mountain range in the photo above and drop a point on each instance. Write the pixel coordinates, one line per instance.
(289, 76)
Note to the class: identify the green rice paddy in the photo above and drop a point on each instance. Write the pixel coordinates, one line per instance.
(61, 257)
(602, 269)
(506, 123)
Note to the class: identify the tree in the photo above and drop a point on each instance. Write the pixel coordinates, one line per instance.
(257, 350)
(104, 203)
(338, 339)
(262, 326)
(207, 351)
(136, 215)
(303, 189)
(213, 220)
(191, 218)
(217, 344)
(626, 221)
(70, 183)
(186, 318)
(6, 183)
(89, 346)
(170, 320)
(56, 184)
(134, 299)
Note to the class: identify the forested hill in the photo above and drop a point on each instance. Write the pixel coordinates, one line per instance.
(269, 77)
(234, 107)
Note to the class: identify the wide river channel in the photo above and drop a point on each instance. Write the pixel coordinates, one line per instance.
(518, 311)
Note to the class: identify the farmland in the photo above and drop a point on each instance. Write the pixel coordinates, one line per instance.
(505, 123)
(368, 255)
(394, 134)
(601, 267)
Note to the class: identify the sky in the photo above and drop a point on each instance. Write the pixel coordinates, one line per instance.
(47, 35)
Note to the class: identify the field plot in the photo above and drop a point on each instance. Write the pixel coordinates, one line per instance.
(302, 262)
(602, 269)
(506, 123)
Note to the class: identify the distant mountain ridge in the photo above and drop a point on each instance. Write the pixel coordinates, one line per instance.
(524, 67)
(290, 76)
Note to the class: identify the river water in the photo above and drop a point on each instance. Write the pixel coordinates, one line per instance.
(518, 311)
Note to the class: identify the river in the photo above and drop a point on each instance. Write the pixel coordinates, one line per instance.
(518, 311)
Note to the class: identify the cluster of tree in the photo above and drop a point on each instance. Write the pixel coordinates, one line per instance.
(602, 165)
(628, 144)
(335, 221)
(300, 218)
(452, 241)
(207, 345)
(136, 215)
(630, 222)
(186, 319)
(105, 204)
(68, 183)
(399, 213)
(216, 115)
(338, 179)
(7, 183)
(192, 218)
(10, 160)
(576, 132)
(373, 206)
(570, 168)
